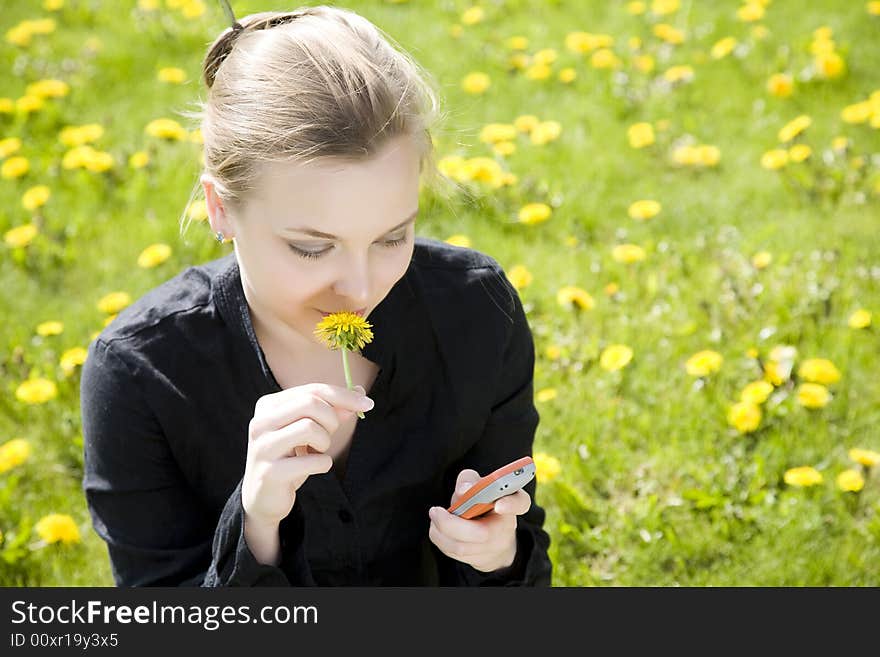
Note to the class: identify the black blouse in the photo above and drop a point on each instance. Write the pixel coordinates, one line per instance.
(168, 390)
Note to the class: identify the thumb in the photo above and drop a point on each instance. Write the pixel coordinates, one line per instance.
(466, 479)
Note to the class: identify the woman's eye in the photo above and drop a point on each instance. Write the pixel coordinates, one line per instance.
(314, 255)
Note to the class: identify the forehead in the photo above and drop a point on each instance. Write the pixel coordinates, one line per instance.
(389, 178)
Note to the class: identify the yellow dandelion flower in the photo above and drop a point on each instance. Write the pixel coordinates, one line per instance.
(20, 236)
(546, 394)
(819, 370)
(547, 467)
(865, 457)
(9, 146)
(476, 82)
(611, 289)
(534, 213)
(664, 7)
(171, 75)
(79, 135)
(681, 73)
(517, 43)
(114, 302)
(762, 259)
(802, 476)
(553, 352)
(526, 122)
(545, 132)
(774, 159)
(873, 7)
(36, 391)
(723, 47)
(615, 357)
(799, 152)
(780, 85)
(198, 210)
(139, 160)
(813, 395)
(750, 12)
(860, 319)
(154, 255)
(571, 296)
(567, 75)
(857, 112)
(645, 209)
(166, 129)
(344, 330)
(459, 240)
(605, 58)
(519, 276)
(794, 128)
(53, 5)
(628, 253)
(636, 7)
(48, 89)
(35, 197)
(756, 392)
(53, 327)
(850, 481)
(640, 135)
(495, 132)
(644, 63)
(13, 453)
(704, 362)
(829, 65)
(71, 358)
(15, 167)
(57, 527)
(744, 416)
(472, 15)
(504, 148)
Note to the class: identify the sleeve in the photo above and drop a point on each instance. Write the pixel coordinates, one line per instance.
(508, 435)
(157, 532)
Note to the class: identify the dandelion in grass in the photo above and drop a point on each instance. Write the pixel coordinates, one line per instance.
(345, 331)
(802, 476)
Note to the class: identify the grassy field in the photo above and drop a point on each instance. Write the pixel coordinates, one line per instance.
(752, 129)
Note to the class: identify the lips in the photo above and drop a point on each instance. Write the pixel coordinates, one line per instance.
(356, 312)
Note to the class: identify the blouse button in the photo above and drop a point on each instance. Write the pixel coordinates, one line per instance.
(345, 515)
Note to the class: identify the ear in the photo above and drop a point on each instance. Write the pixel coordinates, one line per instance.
(217, 216)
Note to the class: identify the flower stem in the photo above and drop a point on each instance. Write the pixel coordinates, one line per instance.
(348, 375)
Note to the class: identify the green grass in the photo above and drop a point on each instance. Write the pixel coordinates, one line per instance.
(655, 488)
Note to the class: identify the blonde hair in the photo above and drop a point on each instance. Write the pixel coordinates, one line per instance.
(316, 82)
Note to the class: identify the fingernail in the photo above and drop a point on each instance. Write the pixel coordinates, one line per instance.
(367, 403)
(361, 390)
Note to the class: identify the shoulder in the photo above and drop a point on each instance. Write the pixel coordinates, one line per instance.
(186, 294)
(462, 276)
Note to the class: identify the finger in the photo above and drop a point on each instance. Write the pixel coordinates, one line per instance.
(452, 548)
(287, 405)
(289, 469)
(466, 479)
(459, 529)
(304, 434)
(515, 504)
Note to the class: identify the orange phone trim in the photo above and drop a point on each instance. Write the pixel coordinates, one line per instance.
(483, 482)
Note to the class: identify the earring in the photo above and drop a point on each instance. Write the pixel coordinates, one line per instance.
(220, 236)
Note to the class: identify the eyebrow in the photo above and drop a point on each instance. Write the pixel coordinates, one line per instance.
(318, 233)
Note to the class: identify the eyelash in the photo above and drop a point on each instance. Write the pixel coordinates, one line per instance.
(309, 255)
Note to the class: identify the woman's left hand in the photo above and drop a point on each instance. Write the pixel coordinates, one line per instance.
(488, 542)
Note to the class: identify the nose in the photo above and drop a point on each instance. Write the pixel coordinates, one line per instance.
(353, 282)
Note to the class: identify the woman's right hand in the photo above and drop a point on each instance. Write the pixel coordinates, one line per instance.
(285, 425)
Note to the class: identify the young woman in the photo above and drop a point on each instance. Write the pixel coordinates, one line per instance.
(222, 444)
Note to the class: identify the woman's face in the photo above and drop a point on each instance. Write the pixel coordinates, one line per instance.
(290, 272)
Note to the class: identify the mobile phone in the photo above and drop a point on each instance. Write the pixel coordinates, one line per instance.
(480, 498)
